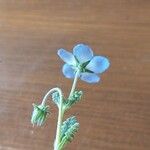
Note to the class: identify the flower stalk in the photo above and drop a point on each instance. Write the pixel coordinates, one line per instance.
(74, 83)
(61, 113)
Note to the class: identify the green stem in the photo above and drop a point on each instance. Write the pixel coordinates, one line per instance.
(59, 122)
(61, 110)
(50, 92)
(74, 83)
(60, 114)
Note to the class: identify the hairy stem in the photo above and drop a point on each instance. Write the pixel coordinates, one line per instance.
(60, 114)
(50, 92)
(59, 123)
(61, 110)
(74, 83)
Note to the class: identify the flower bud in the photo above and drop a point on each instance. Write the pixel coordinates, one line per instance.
(39, 114)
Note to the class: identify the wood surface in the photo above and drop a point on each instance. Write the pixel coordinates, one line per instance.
(113, 114)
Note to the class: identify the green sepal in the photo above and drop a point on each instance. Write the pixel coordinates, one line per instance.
(73, 99)
(85, 64)
(68, 130)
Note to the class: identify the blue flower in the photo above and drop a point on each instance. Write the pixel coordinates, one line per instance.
(82, 59)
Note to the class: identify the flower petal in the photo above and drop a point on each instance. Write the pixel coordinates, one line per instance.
(68, 71)
(67, 57)
(90, 77)
(98, 64)
(83, 53)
